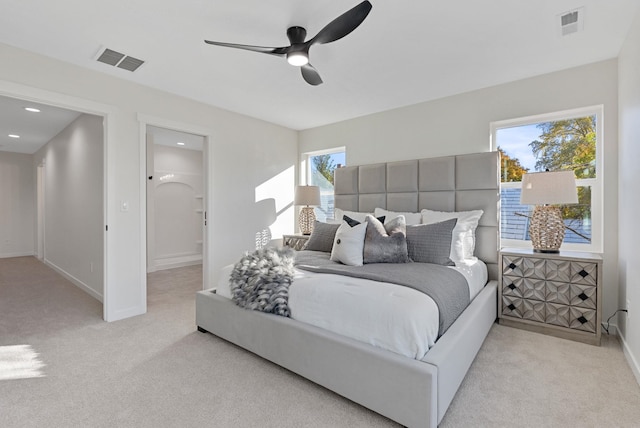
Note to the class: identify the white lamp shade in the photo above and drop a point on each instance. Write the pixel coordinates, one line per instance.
(307, 195)
(549, 188)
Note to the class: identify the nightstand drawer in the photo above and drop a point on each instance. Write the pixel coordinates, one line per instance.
(582, 319)
(584, 296)
(524, 267)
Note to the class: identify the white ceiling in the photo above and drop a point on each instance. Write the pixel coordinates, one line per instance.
(34, 129)
(405, 52)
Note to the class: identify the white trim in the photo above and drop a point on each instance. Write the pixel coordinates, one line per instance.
(142, 130)
(40, 210)
(631, 359)
(207, 174)
(172, 262)
(43, 96)
(305, 165)
(597, 184)
(18, 254)
(304, 161)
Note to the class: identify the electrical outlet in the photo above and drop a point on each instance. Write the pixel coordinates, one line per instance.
(628, 306)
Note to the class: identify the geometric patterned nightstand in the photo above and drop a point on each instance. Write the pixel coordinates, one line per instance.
(556, 294)
(295, 241)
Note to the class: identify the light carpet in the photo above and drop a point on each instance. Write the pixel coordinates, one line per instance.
(155, 370)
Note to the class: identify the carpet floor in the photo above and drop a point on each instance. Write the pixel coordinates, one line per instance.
(62, 366)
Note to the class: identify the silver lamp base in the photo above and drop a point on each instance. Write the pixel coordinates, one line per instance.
(306, 220)
(546, 229)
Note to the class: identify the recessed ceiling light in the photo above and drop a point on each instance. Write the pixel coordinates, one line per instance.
(14, 136)
(180, 143)
(32, 109)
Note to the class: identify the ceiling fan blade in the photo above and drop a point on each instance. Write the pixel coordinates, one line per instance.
(343, 25)
(310, 75)
(262, 49)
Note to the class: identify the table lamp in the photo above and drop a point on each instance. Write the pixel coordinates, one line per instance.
(307, 196)
(545, 190)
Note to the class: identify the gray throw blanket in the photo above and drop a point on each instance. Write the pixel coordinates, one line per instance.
(447, 287)
(260, 280)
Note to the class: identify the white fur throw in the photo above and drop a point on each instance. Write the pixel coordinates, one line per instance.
(260, 280)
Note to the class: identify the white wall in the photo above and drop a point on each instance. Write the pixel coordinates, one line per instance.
(73, 211)
(245, 154)
(629, 201)
(17, 204)
(460, 124)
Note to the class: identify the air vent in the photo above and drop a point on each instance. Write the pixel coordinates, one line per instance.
(571, 21)
(130, 63)
(120, 60)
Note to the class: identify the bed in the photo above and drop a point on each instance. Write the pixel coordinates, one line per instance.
(415, 392)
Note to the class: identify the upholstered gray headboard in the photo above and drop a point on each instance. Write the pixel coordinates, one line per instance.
(451, 183)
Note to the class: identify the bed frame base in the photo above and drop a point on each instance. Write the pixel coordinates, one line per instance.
(411, 392)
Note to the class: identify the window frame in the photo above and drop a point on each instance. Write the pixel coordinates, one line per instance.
(305, 161)
(596, 184)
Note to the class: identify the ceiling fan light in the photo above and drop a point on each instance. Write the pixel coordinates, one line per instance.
(297, 58)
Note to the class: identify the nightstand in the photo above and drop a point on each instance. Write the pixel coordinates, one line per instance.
(556, 294)
(295, 241)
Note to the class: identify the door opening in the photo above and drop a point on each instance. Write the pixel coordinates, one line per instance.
(175, 198)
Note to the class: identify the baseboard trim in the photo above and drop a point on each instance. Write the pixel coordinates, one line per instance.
(18, 254)
(631, 359)
(175, 262)
(75, 281)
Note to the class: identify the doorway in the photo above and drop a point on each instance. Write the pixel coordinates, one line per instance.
(175, 198)
(57, 214)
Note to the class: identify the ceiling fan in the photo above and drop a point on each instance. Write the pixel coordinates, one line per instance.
(298, 52)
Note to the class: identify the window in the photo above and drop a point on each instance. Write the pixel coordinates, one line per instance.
(569, 140)
(320, 167)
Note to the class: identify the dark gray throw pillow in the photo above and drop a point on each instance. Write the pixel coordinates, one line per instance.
(385, 243)
(322, 236)
(431, 243)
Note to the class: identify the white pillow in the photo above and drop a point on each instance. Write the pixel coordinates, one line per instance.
(411, 218)
(338, 213)
(348, 245)
(463, 236)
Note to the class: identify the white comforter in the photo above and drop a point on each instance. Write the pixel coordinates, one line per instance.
(389, 316)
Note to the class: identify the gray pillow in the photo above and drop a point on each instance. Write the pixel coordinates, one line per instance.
(385, 243)
(431, 243)
(322, 236)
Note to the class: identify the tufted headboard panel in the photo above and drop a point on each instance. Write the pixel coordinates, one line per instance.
(451, 183)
